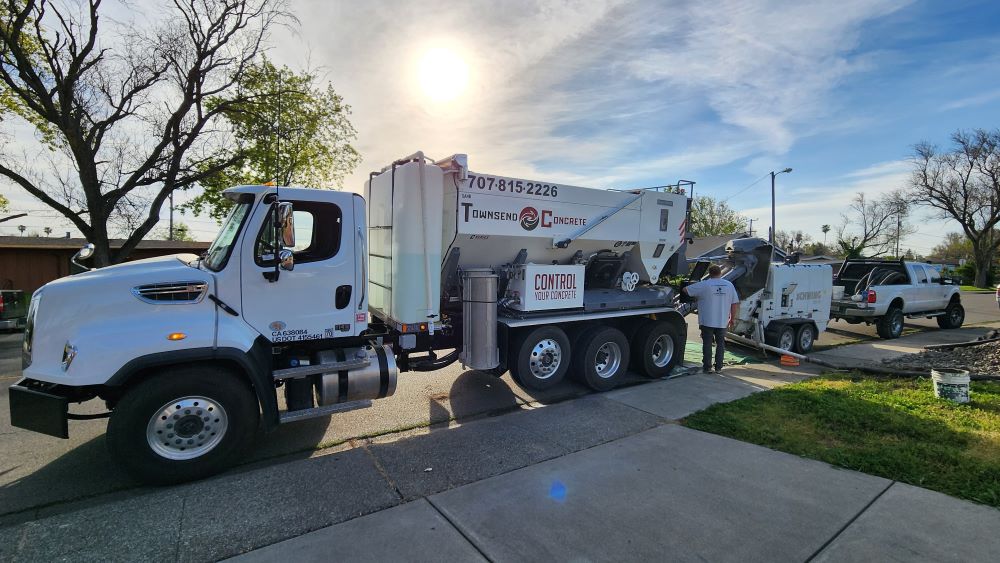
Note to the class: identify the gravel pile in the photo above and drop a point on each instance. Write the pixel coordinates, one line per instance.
(983, 359)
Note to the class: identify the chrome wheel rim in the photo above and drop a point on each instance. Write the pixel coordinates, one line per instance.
(187, 428)
(663, 350)
(956, 316)
(607, 360)
(545, 359)
(787, 338)
(805, 338)
(897, 324)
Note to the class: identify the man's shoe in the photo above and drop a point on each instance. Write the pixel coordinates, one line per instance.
(706, 370)
(718, 370)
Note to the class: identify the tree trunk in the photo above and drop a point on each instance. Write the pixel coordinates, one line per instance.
(984, 261)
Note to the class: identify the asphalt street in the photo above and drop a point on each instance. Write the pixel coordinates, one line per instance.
(41, 476)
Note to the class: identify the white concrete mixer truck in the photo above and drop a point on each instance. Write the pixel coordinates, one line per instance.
(309, 302)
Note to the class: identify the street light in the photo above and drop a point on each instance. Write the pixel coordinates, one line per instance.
(773, 229)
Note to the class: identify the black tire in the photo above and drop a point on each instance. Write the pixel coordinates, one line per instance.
(891, 325)
(544, 367)
(649, 356)
(953, 316)
(781, 336)
(185, 387)
(600, 359)
(805, 336)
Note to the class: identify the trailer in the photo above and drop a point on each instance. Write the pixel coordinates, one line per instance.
(783, 305)
(311, 302)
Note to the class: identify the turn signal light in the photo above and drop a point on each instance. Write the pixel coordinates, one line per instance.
(871, 295)
(176, 336)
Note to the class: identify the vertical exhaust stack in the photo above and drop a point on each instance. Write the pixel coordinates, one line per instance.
(479, 319)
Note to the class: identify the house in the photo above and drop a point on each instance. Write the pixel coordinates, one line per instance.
(27, 263)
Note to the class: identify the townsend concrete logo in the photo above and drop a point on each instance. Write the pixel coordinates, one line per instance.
(529, 218)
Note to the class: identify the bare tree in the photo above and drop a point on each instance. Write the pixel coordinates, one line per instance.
(964, 184)
(867, 226)
(131, 111)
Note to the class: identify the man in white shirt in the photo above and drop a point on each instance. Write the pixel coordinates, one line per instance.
(718, 305)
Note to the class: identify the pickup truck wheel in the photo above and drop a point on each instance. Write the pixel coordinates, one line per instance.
(182, 424)
(782, 337)
(891, 325)
(804, 338)
(601, 357)
(541, 358)
(953, 316)
(656, 348)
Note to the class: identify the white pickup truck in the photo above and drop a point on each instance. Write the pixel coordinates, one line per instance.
(883, 292)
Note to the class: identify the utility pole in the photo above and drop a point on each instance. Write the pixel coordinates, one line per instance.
(750, 230)
(773, 228)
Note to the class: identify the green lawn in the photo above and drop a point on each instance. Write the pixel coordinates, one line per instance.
(975, 289)
(894, 428)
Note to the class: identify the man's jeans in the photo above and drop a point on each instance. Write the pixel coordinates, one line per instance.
(707, 335)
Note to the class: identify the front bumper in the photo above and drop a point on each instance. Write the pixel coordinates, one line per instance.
(37, 407)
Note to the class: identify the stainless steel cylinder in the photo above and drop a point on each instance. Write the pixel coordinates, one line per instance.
(479, 319)
(374, 381)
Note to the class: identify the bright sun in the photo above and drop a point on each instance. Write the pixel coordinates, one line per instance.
(443, 74)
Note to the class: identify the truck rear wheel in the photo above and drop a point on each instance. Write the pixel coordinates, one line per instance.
(601, 357)
(540, 358)
(656, 349)
(953, 316)
(183, 424)
(891, 325)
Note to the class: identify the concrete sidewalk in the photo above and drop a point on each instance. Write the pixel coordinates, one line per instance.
(668, 493)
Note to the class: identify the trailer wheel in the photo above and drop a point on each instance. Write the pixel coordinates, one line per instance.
(953, 316)
(656, 349)
(183, 424)
(891, 325)
(600, 360)
(804, 338)
(541, 358)
(783, 336)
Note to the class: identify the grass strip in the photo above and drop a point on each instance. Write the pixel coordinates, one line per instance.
(891, 427)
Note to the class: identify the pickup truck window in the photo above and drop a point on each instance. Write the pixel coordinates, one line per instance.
(921, 272)
(935, 274)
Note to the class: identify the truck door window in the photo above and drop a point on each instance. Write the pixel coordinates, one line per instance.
(317, 234)
(935, 275)
(921, 274)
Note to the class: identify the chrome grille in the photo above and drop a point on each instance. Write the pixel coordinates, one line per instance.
(171, 292)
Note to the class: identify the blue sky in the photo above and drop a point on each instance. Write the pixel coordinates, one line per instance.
(615, 93)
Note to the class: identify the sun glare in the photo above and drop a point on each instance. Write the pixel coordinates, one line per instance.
(443, 74)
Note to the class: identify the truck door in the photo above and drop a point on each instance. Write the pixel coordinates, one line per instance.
(317, 298)
(923, 292)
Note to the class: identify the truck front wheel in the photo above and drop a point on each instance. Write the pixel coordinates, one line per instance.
(541, 358)
(953, 316)
(183, 424)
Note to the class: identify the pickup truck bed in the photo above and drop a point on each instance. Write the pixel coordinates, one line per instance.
(884, 292)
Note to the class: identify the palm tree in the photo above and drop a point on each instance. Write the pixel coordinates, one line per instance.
(825, 229)
(48, 231)
(22, 228)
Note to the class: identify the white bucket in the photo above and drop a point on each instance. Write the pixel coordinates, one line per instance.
(838, 292)
(951, 384)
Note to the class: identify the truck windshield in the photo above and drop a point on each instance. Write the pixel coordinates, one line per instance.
(222, 246)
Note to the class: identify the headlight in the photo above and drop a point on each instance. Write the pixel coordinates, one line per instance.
(29, 329)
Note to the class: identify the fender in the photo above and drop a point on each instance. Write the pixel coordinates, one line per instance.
(255, 362)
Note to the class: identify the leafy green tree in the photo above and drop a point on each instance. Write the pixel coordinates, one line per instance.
(4, 203)
(293, 130)
(955, 246)
(181, 232)
(710, 217)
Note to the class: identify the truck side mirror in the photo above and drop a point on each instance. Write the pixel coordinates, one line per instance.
(286, 224)
(85, 252)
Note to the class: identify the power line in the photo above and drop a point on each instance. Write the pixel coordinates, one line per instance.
(752, 184)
